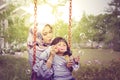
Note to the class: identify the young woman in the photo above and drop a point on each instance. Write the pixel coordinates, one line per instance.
(43, 40)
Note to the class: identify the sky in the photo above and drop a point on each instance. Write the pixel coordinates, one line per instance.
(94, 7)
(89, 6)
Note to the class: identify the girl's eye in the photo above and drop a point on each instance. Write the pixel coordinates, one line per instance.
(64, 45)
(58, 44)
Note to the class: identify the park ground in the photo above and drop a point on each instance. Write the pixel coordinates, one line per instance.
(95, 64)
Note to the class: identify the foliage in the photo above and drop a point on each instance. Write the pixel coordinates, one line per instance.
(17, 31)
(84, 30)
(8, 11)
(61, 29)
(92, 28)
(99, 28)
(114, 10)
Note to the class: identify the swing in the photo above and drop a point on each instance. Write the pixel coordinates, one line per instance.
(35, 27)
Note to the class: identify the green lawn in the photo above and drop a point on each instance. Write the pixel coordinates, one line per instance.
(17, 67)
(14, 68)
(100, 56)
(91, 56)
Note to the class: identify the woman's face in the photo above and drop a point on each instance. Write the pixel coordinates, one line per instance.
(47, 34)
(61, 46)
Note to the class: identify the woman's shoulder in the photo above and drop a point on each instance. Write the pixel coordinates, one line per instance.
(45, 54)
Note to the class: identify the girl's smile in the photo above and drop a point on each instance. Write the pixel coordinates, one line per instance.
(62, 47)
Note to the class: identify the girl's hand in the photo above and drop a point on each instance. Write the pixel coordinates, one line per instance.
(53, 50)
(77, 59)
(69, 63)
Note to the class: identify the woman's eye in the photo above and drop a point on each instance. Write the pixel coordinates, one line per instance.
(50, 31)
(44, 34)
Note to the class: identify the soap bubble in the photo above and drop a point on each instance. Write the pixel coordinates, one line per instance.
(82, 36)
(81, 53)
(28, 71)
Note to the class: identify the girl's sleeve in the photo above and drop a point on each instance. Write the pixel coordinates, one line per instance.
(40, 66)
(76, 66)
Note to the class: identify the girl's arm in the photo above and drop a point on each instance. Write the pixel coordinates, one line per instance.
(73, 63)
(53, 51)
(76, 64)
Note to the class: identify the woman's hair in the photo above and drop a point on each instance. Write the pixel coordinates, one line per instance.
(39, 33)
(57, 40)
(49, 26)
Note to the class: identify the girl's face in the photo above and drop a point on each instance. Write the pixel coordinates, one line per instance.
(61, 46)
(47, 34)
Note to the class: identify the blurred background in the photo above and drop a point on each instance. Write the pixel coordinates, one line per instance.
(95, 35)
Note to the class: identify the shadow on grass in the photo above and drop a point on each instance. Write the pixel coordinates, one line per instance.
(12, 68)
(110, 71)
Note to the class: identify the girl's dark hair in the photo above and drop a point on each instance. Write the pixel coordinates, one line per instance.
(57, 40)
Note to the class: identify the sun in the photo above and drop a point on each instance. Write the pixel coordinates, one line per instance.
(44, 14)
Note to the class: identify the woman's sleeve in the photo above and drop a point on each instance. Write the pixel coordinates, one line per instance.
(41, 69)
(40, 66)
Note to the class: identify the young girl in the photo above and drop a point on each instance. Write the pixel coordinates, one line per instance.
(63, 67)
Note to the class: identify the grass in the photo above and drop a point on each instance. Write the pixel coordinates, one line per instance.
(17, 68)
(14, 68)
(99, 56)
(111, 72)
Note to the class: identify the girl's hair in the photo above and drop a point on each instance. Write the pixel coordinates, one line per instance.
(57, 40)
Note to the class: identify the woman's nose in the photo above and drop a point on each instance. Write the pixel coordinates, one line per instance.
(49, 35)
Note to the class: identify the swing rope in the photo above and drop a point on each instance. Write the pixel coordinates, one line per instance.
(35, 30)
(34, 37)
(70, 21)
(35, 27)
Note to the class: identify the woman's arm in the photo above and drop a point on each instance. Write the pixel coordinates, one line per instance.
(49, 61)
(43, 65)
(40, 67)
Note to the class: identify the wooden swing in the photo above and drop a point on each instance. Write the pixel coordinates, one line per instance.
(35, 27)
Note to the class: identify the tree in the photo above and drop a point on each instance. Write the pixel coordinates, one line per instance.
(93, 28)
(115, 18)
(61, 29)
(17, 31)
(84, 29)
